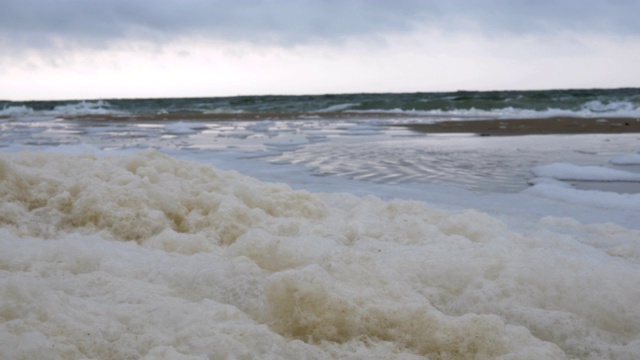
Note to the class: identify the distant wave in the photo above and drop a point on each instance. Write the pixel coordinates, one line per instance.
(496, 104)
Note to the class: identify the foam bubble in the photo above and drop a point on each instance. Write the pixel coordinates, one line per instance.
(628, 159)
(564, 171)
(338, 107)
(590, 109)
(180, 127)
(20, 110)
(611, 107)
(146, 256)
(99, 107)
(593, 198)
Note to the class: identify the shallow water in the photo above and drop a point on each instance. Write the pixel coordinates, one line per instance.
(111, 249)
(487, 164)
(360, 148)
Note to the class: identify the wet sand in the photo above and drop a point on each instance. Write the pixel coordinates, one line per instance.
(484, 127)
(239, 116)
(513, 127)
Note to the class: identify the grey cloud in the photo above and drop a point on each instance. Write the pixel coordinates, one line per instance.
(44, 23)
(618, 17)
(94, 23)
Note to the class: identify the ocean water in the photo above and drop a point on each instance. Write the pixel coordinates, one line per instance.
(621, 102)
(308, 228)
(341, 135)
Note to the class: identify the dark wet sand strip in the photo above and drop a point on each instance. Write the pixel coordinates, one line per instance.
(486, 127)
(240, 116)
(547, 126)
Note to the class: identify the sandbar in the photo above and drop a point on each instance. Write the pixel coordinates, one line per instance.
(541, 126)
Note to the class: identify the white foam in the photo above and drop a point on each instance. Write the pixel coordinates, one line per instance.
(99, 107)
(338, 107)
(564, 171)
(287, 142)
(223, 111)
(588, 110)
(263, 126)
(147, 256)
(180, 128)
(628, 159)
(21, 110)
(592, 198)
(624, 108)
(361, 129)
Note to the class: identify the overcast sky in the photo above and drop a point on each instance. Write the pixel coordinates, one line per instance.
(73, 49)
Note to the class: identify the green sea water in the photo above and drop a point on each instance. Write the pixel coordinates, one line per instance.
(591, 102)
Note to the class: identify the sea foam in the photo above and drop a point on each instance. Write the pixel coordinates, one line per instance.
(146, 256)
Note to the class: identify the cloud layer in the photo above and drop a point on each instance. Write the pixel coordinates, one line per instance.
(172, 48)
(44, 23)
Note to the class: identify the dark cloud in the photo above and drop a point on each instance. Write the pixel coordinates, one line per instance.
(96, 23)
(610, 17)
(45, 22)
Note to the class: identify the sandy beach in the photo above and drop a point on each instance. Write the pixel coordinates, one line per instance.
(143, 230)
(513, 127)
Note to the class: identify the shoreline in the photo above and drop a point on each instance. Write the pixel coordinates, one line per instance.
(559, 125)
(532, 126)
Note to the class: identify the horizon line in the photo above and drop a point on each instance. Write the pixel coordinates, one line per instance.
(319, 94)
